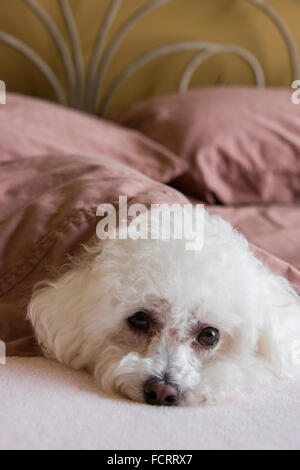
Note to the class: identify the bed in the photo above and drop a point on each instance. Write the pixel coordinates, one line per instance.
(133, 124)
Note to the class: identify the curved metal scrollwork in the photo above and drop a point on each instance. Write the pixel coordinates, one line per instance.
(206, 48)
(85, 89)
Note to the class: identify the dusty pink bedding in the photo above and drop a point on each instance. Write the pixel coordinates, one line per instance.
(48, 200)
(48, 203)
(242, 144)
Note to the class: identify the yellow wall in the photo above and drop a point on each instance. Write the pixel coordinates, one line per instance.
(231, 21)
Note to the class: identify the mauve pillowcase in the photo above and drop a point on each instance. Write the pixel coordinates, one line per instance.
(31, 127)
(242, 144)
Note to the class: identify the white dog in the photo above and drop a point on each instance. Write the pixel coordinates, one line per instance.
(161, 324)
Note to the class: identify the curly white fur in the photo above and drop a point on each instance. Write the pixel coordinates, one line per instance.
(81, 319)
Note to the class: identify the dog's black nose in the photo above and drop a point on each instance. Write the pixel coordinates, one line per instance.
(157, 392)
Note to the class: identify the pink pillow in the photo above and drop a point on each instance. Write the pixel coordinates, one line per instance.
(242, 144)
(32, 127)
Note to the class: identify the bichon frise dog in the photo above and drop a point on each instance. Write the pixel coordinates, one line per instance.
(167, 326)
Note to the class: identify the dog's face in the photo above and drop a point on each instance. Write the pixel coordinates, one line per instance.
(167, 326)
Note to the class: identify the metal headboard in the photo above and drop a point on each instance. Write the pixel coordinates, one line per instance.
(85, 88)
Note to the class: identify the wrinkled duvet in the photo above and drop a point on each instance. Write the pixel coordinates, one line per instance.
(48, 210)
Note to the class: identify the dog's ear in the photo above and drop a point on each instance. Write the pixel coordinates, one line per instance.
(59, 311)
(52, 313)
(279, 337)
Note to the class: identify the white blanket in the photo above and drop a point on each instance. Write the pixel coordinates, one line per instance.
(44, 405)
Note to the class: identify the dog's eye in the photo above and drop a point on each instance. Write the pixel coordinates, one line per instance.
(208, 337)
(139, 321)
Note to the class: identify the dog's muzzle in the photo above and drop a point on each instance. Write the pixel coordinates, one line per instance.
(160, 393)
